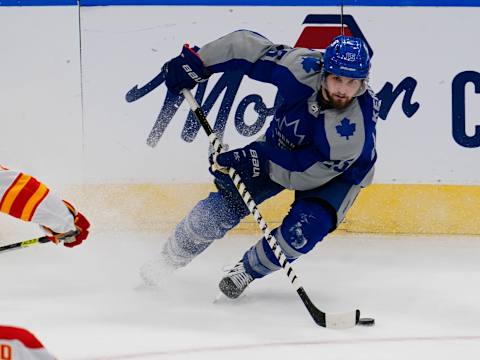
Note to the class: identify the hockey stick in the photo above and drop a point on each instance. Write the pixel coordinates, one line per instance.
(35, 241)
(335, 321)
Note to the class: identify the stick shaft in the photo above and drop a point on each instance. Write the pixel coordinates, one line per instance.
(24, 244)
(35, 241)
(247, 198)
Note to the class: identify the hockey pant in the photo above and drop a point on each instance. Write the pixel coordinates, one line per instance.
(313, 215)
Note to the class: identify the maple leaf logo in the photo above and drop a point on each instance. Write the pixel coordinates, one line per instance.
(310, 64)
(346, 128)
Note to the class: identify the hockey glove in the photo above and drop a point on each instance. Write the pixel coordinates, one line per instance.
(250, 162)
(185, 71)
(81, 224)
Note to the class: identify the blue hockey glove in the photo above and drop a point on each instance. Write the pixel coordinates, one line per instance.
(250, 162)
(185, 71)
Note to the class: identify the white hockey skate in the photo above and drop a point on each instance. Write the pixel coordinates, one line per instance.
(235, 281)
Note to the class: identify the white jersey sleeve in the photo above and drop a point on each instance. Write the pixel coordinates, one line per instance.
(24, 197)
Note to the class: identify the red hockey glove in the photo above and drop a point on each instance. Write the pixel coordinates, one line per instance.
(81, 224)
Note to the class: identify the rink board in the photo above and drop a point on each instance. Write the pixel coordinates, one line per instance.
(421, 135)
(380, 208)
(67, 122)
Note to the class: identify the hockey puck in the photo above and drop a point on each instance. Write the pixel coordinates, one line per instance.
(366, 321)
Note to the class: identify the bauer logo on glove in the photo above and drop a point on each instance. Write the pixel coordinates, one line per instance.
(246, 161)
(192, 74)
(185, 71)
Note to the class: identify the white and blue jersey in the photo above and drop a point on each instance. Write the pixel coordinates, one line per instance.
(307, 145)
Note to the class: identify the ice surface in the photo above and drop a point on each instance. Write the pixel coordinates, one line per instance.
(87, 302)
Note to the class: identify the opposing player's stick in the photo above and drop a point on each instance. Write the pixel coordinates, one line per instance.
(31, 242)
(336, 321)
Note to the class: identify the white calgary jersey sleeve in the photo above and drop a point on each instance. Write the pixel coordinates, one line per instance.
(24, 197)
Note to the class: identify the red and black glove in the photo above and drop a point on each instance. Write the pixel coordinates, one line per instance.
(81, 224)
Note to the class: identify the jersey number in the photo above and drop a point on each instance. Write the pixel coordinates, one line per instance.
(5, 352)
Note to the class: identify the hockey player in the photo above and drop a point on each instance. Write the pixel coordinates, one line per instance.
(24, 197)
(321, 143)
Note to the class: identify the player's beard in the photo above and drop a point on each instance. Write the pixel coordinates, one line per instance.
(337, 101)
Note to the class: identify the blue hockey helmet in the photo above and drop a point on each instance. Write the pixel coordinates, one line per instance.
(347, 56)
